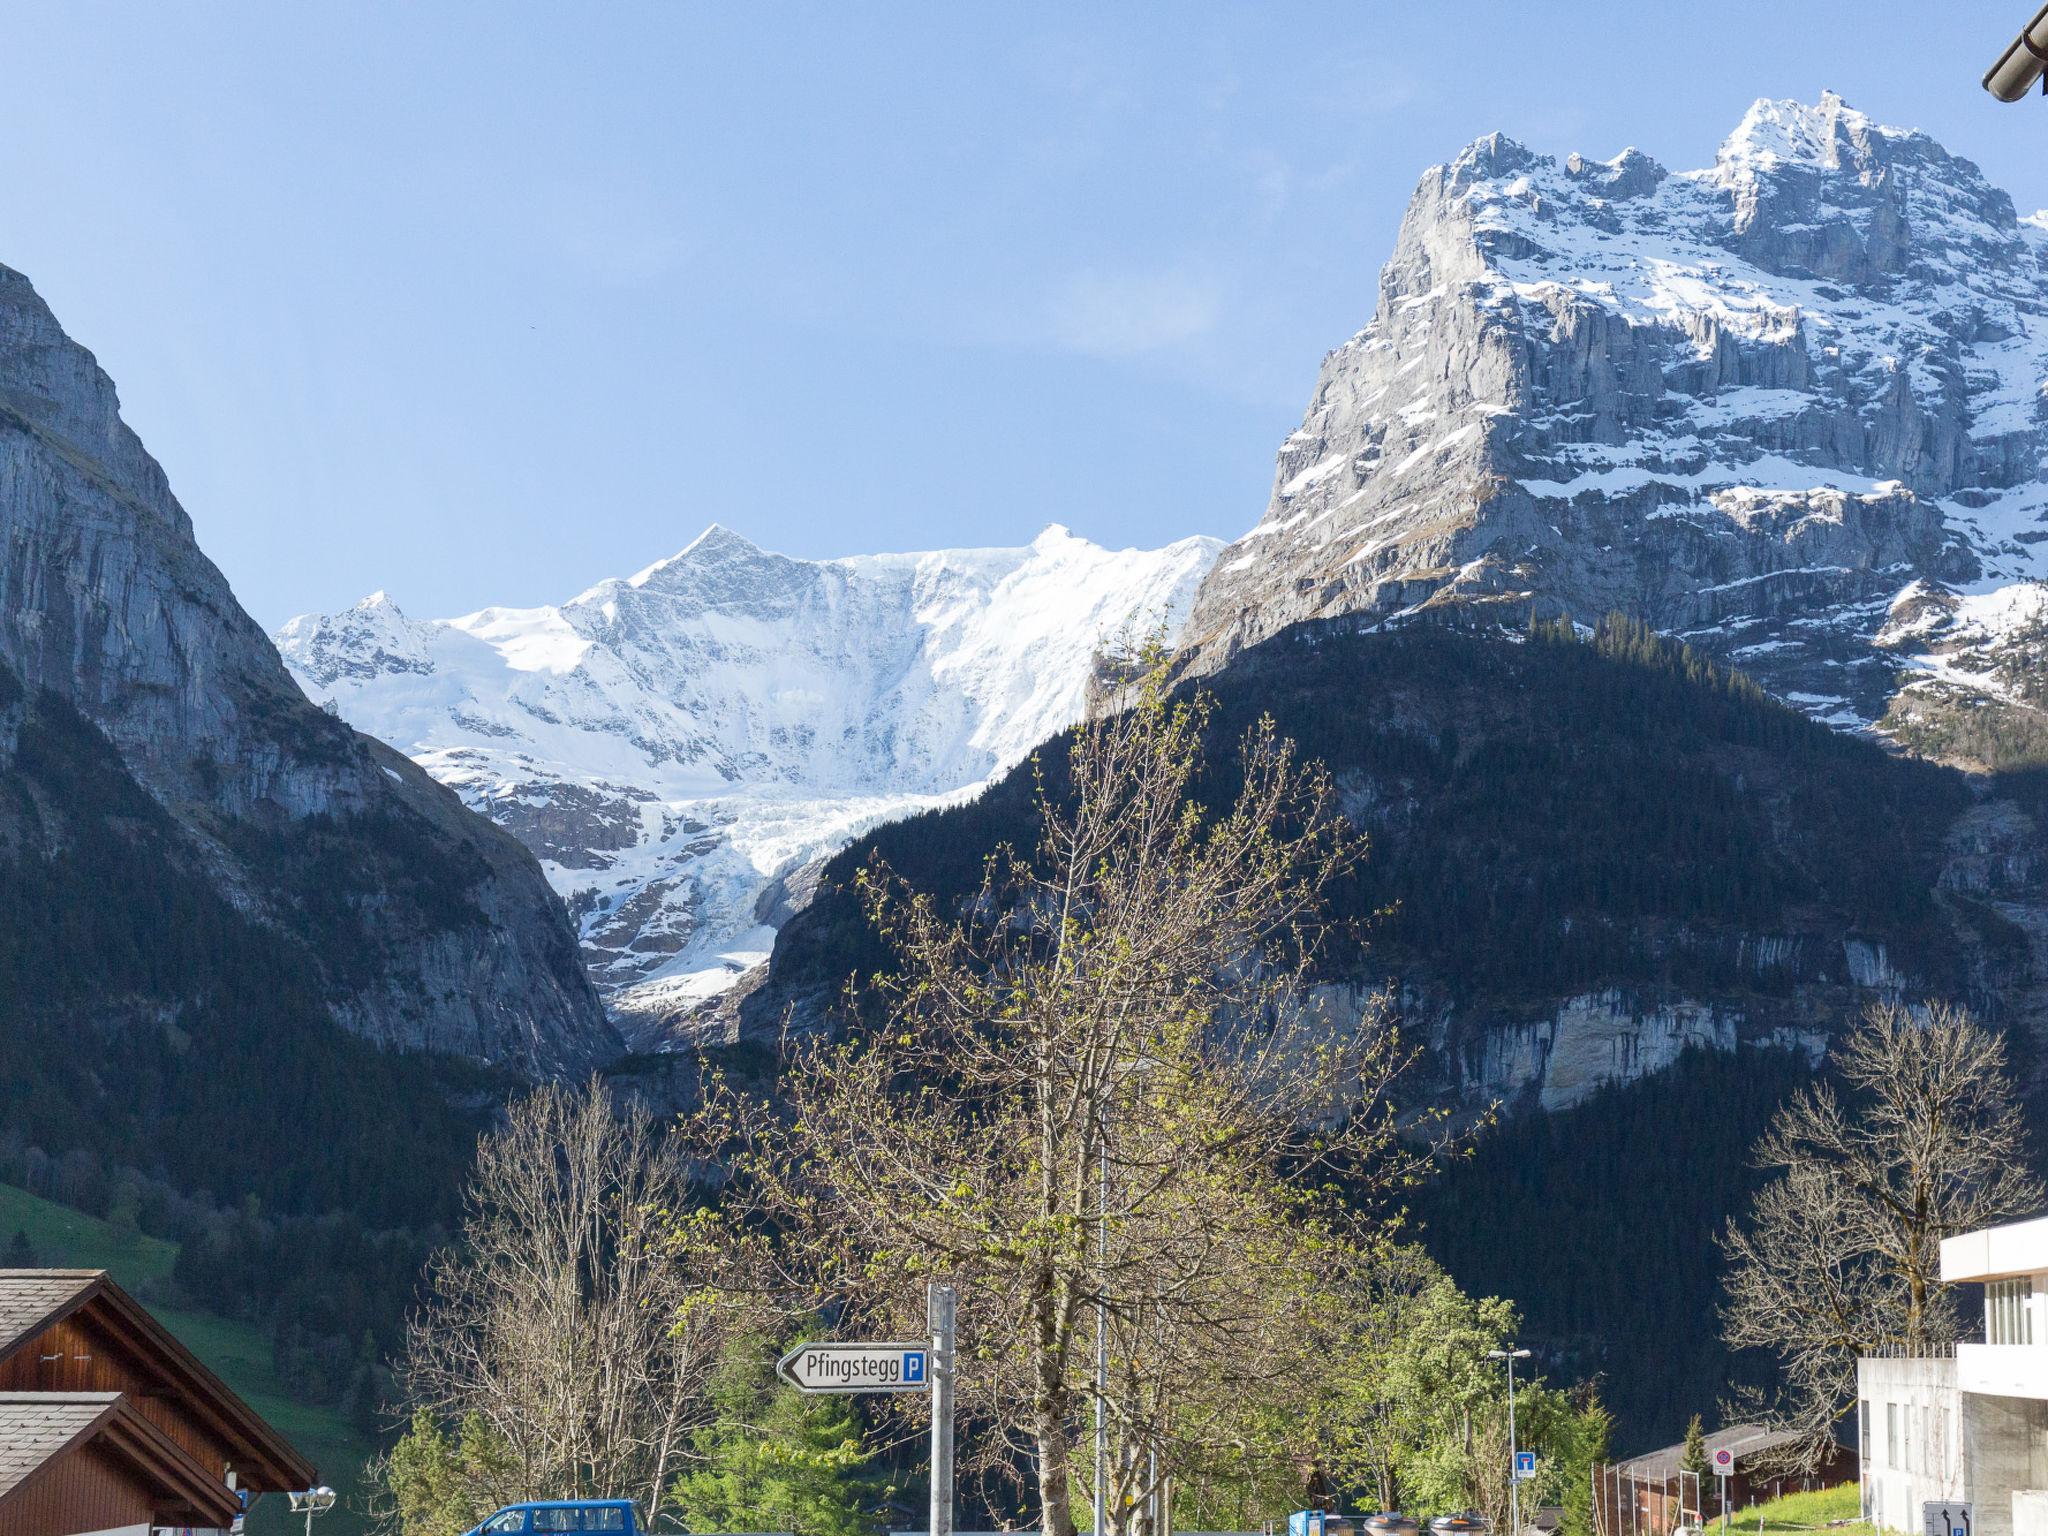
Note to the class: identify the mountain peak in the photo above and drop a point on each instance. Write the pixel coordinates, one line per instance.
(719, 539)
(1494, 155)
(1824, 135)
(716, 545)
(1629, 174)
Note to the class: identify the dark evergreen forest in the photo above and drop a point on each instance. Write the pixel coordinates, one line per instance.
(167, 1059)
(1601, 1222)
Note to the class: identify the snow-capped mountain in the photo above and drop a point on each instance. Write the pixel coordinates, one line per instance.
(684, 747)
(1789, 406)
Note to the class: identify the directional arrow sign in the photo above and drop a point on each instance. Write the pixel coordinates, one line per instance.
(856, 1367)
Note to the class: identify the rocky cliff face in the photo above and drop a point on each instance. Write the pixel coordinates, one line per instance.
(1789, 407)
(1586, 858)
(683, 749)
(107, 604)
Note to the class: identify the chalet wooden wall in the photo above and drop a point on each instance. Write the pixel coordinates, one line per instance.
(81, 1491)
(74, 1356)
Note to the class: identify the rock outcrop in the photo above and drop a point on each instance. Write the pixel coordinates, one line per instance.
(107, 604)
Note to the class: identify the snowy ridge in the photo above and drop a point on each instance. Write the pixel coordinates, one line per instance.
(1757, 404)
(684, 747)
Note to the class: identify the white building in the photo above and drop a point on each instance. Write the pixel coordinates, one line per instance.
(1972, 1426)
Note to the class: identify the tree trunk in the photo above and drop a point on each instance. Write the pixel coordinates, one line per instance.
(1055, 1485)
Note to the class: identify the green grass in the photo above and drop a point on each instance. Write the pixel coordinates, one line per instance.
(1797, 1514)
(238, 1352)
(68, 1239)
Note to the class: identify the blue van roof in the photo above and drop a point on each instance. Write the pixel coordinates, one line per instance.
(567, 1504)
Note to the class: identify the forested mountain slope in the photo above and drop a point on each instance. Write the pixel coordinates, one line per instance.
(1594, 852)
(262, 980)
(1598, 858)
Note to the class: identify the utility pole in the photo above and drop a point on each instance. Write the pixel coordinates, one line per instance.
(939, 1300)
(1511, 1355)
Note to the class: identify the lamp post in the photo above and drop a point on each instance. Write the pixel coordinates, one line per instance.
(311, 1502)
(1510, 1355)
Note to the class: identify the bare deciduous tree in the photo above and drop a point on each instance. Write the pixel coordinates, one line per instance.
(1841, 1255)
(1103, 1089)
(580, 1319)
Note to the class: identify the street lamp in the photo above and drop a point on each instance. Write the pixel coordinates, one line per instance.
(311, 1502)
(1510, 1355)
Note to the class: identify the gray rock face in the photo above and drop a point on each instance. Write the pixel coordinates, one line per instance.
(1756, 405)
(107, 602)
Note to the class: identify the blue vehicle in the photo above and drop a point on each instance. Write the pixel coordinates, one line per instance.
(563, 1517)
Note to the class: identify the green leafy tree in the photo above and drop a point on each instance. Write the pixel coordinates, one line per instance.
(440, 1484)
(775, 1459)
(1418, 1419)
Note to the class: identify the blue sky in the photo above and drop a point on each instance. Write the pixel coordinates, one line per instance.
(480, 303)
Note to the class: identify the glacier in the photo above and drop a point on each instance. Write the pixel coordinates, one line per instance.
(683, 748)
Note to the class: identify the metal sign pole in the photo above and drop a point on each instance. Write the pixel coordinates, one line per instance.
(1514, 1470)
(939, 1312)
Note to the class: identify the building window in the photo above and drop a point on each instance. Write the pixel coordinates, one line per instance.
(1891, 1437)
(2009, 1311)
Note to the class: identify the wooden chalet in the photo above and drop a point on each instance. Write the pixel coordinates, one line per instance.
(109, 1424)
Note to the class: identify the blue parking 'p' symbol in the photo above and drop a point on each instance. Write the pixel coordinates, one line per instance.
(913, 1370)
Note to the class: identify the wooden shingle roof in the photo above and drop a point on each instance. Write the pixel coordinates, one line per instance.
(36, 1428)
(31, 1299)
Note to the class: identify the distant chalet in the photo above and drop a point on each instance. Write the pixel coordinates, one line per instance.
(109, 1425)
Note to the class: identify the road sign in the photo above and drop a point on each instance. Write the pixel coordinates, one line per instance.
(1951, 1517)
(1525, 1466)
(856, 1367)
(1724, 1461)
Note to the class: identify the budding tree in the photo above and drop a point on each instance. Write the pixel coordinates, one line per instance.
(1841, 1254)
(572, 1337)
(1101, 1097)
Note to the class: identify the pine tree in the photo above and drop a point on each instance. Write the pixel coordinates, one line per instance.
(777, 1459)
(21, 1253)
(1693, 1458)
